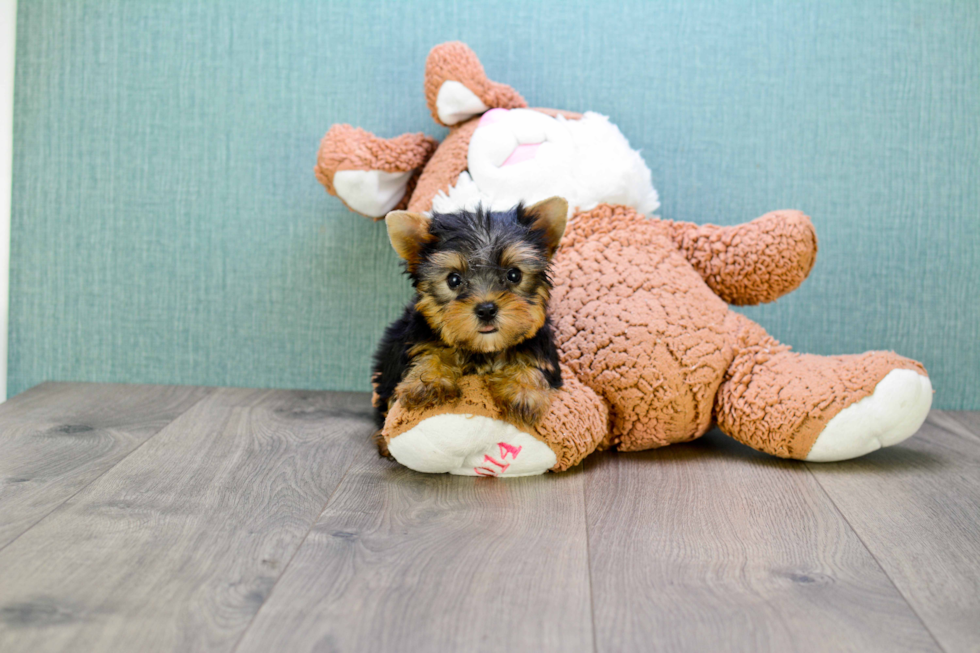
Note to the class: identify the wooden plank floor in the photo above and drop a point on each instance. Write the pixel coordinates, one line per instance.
(145, 518)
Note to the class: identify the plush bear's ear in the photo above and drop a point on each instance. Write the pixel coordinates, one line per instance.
(549, 216)
(456, 88)
(408, 233)
(371, 175)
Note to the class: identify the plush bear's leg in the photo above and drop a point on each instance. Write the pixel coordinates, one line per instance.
(472, 438)
(817, 408)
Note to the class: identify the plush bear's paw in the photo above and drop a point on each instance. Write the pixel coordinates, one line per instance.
(893, 413)
(471, 445)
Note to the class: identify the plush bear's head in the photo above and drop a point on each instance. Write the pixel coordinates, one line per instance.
(498, 152)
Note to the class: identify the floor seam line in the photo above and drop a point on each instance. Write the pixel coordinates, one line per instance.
(588, 556)
(108, 469)
(874, 557)
(289, 563)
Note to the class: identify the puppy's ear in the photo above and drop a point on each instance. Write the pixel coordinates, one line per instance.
(549, 216)
(408, 232)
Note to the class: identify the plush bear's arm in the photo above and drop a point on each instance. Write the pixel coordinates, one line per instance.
(751, 263)
(371, 175)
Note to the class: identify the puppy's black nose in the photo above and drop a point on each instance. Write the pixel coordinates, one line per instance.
(486, 311)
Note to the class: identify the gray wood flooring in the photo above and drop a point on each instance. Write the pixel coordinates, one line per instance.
(152, 518)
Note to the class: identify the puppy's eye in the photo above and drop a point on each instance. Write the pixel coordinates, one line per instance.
(514, 275)
(453, 280)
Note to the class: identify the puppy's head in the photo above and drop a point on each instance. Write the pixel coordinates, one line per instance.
(482, 276)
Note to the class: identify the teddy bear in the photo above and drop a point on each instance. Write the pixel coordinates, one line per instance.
(651, 352)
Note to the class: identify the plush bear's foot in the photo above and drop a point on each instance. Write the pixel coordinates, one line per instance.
(818, 408)
(472, 436)
(893, 413)
(471, 445)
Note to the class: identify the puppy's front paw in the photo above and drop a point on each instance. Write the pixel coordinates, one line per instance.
(522, 392)
(526, 405)
(419, 393)
(379, 440)
(528, 410)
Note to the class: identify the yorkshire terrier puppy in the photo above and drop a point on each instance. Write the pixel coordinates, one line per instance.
(481, 306)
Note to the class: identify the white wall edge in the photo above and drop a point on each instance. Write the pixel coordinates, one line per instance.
(8, 48)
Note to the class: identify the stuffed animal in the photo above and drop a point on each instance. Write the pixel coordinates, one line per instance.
(651, 353)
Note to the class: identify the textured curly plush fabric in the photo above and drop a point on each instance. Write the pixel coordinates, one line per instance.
(574, 427)
(444, 167)
(752, 263)
(778, 401)
(639, 321)
(456, 62)
(352, 148)
(636, 323)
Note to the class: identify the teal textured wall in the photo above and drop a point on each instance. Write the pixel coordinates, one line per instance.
(167, 226)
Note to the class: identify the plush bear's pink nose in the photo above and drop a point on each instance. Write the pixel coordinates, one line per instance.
(492, 116)
(522, 153)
